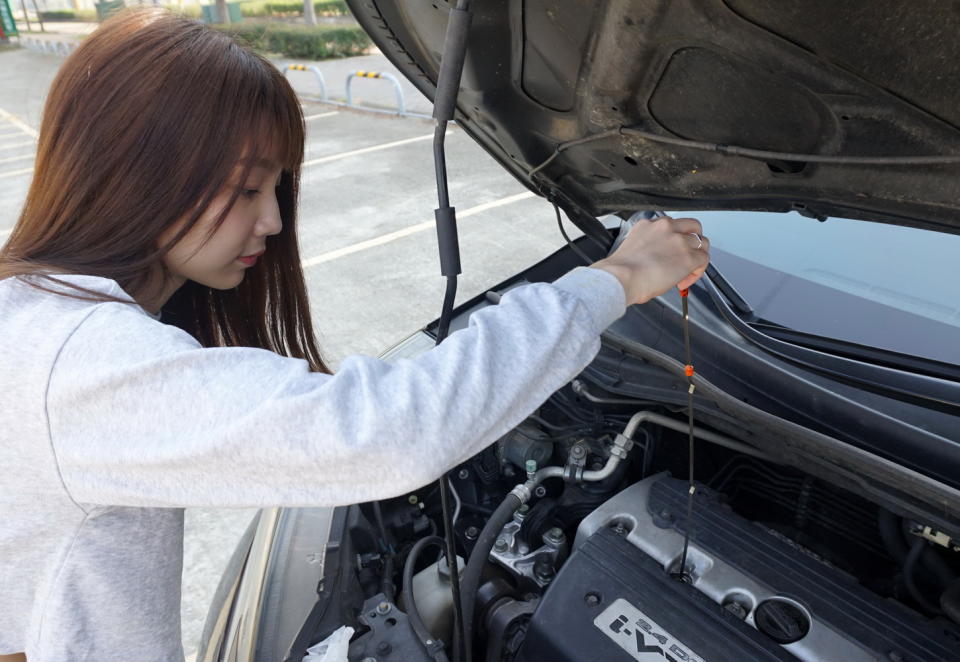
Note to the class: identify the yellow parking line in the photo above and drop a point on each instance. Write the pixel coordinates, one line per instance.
(8, 159)
(316, 117)
(14, 173)
(365, 150)
(17, 122)
(407, 231)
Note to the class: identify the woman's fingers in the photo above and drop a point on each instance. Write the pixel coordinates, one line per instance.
(657, 256)
(686, 225)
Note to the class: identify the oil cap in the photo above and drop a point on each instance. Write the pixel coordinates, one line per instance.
(782, 621)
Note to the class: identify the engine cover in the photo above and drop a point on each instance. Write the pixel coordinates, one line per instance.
(753, 594)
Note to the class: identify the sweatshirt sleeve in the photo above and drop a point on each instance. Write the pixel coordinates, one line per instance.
(141, 415)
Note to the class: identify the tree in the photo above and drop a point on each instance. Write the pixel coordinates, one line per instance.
(222, 11)
(308, 12)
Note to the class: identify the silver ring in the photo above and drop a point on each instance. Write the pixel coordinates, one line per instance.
(699, 240)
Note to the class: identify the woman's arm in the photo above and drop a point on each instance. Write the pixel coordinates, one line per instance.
(140, 415)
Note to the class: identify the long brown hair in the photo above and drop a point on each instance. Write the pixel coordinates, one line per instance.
(141, 129)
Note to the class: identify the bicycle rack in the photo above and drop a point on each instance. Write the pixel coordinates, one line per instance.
(316, 73)
(401, 105)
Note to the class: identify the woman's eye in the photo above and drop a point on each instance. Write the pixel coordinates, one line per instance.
(250, 192)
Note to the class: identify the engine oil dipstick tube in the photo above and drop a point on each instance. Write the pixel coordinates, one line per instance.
(681, 572)
(444, 106)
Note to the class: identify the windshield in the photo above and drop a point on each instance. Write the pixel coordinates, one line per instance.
(884, 286)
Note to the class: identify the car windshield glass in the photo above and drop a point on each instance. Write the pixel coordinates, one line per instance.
(884, 286)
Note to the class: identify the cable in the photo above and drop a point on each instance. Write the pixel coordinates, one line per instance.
(478, 559)
(456, 498)
(682, 570)
(576, 249)
(765, 155)
(746, 152)
(572, 143)
(409, 602)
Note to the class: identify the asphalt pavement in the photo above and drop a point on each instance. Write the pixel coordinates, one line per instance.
(366, 236)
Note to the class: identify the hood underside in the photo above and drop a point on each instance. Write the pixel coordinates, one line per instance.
(863, 78)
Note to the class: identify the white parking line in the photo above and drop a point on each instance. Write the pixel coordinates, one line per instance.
(19, 144)
(15, 173)
(17, 122)
(316, 117)
(365, 150)
(4, 233)
(16, 158)
(406, 232)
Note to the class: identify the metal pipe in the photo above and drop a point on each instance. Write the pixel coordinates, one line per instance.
(316, 72)
(647, 416)
(398, 90)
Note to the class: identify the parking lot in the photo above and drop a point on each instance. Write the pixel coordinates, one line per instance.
(366, 236)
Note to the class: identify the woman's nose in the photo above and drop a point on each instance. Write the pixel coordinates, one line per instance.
(271, 223)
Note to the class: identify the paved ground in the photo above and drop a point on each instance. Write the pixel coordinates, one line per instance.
(366, 234)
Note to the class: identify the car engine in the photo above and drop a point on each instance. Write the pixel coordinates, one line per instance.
(780, 565)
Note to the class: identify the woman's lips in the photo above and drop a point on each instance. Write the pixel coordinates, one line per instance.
(250, 260)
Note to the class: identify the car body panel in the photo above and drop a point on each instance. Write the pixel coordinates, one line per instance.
(848, 79)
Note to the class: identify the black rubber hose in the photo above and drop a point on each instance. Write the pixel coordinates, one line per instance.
(950, 602)
(478, 559)
(938, 566)
(932, 562)
(409, 602)
(909, 573)
(386, 582)
(889, 525)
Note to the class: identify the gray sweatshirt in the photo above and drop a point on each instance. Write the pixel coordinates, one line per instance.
(112, 422)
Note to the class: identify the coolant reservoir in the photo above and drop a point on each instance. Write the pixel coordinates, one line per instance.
(434, 598)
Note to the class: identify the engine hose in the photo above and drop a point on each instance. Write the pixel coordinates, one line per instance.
(386, 582)
(932, 562)
(892, 534)
(889, 525)
(940, 568)
(478, 559)
(409, 602)
(909, 572)
(950, 602)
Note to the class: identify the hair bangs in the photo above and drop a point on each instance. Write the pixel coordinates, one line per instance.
(274, 121)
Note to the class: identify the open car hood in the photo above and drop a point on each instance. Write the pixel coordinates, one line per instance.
(864, 78)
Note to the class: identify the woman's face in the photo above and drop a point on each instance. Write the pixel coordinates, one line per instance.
(221, 261)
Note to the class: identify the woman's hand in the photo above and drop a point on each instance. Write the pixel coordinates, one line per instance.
(656, 255)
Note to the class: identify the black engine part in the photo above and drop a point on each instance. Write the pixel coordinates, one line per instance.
(611, 601)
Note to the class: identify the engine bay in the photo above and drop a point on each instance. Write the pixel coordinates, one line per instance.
(574, 525)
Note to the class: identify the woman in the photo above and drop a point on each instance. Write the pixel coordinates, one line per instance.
(158, 351)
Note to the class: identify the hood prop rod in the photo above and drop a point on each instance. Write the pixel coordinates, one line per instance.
(444, 107)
